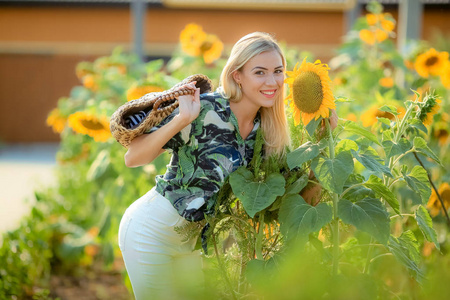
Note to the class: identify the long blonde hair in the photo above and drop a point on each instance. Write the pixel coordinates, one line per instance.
(273, 119)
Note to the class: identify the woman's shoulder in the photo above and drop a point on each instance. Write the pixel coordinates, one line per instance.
(213, 101)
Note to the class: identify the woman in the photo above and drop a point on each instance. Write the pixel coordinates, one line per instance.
(210, 136)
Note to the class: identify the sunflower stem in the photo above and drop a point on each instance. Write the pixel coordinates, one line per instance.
(335, 198)
(259, 237)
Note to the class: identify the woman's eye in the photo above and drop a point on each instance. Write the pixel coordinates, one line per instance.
(259, 72)
(278, 71)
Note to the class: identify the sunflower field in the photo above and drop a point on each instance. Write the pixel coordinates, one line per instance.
(378, 229)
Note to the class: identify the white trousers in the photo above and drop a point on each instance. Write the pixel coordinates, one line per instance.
(160, 265)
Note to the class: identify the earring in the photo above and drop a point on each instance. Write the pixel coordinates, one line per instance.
(240, 86)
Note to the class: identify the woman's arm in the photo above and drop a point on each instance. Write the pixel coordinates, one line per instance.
(145, 148)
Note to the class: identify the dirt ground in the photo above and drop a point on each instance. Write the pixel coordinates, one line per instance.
(94, 285)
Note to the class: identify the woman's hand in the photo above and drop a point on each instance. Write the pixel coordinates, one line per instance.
(333, 119)
(189, 105)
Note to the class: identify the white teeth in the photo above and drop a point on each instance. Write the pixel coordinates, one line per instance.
(268, 93)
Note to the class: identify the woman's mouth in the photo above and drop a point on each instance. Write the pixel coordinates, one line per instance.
(268, 93)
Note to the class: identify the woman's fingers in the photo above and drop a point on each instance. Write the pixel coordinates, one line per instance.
(333, 119)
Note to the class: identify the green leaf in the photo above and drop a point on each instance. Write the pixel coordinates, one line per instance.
(367, 215)
(390, 109)
(421, 146)
(358, 129)
(375, 184)
(256, 196)
(298, 185)
(345, 145)
(312, 126)
(298, 218)
(392, 149)
(416, 123)
(302, 154)
(342, 99)
(418, 181)
(385, 121)
(405, 249)
(371, 161)
(99, 166)
(332, 173)
(426, 225)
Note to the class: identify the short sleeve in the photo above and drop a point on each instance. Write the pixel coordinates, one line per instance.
(179, 139)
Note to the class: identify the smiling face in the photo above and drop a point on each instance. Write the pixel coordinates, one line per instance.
(261, 79)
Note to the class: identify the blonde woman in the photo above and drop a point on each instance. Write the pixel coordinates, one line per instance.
(210, 136)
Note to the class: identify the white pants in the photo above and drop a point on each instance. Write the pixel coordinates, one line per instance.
(160, 265)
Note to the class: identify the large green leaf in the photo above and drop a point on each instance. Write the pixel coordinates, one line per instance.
(405, 249)
(426, 225)
(358, 129)
(392, 148)
(256, 196)
(302, 154)
(332, 173)
(371, 161)
(375, 184)
(298, 218)
(418, 181)
(367, 215)
(312, 125)
(421, 146)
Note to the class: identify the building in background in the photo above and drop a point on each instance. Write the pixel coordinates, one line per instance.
(42, 41)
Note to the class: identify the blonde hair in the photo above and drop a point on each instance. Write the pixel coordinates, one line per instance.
(273, 119)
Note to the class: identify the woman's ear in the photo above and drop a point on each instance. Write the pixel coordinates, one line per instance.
(236, 76)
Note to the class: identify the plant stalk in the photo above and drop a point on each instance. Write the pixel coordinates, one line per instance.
(222, 268)
(335, 198)
(259, 237)
(435, 189)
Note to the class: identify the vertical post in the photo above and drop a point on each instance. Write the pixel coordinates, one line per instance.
(409, 22)
(138, 10)
(409, 27)
(350, 16)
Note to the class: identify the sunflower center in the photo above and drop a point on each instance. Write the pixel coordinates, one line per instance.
(431, 61)
(205, 46)
(93, 125)
(308, 92)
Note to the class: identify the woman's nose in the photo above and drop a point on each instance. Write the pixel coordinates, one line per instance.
(270, 80)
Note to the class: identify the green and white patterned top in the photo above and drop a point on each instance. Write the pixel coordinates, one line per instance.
(204, 153)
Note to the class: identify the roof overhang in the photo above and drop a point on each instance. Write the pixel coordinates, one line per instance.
(283, 5)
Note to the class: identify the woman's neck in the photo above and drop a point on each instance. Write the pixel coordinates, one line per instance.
(245, 115)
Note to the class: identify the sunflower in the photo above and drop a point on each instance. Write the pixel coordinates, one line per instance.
(372, 36)
(192, 38)
(429, 108)
(95, 127)
(434, 205)
(310, 91)
(90, 82)
(445, 75)
(137, 91)
(431, 62)
(372, 19)
(370, 116)
(211, 48)
(441, 129)
(56, 120)
(386, 82)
